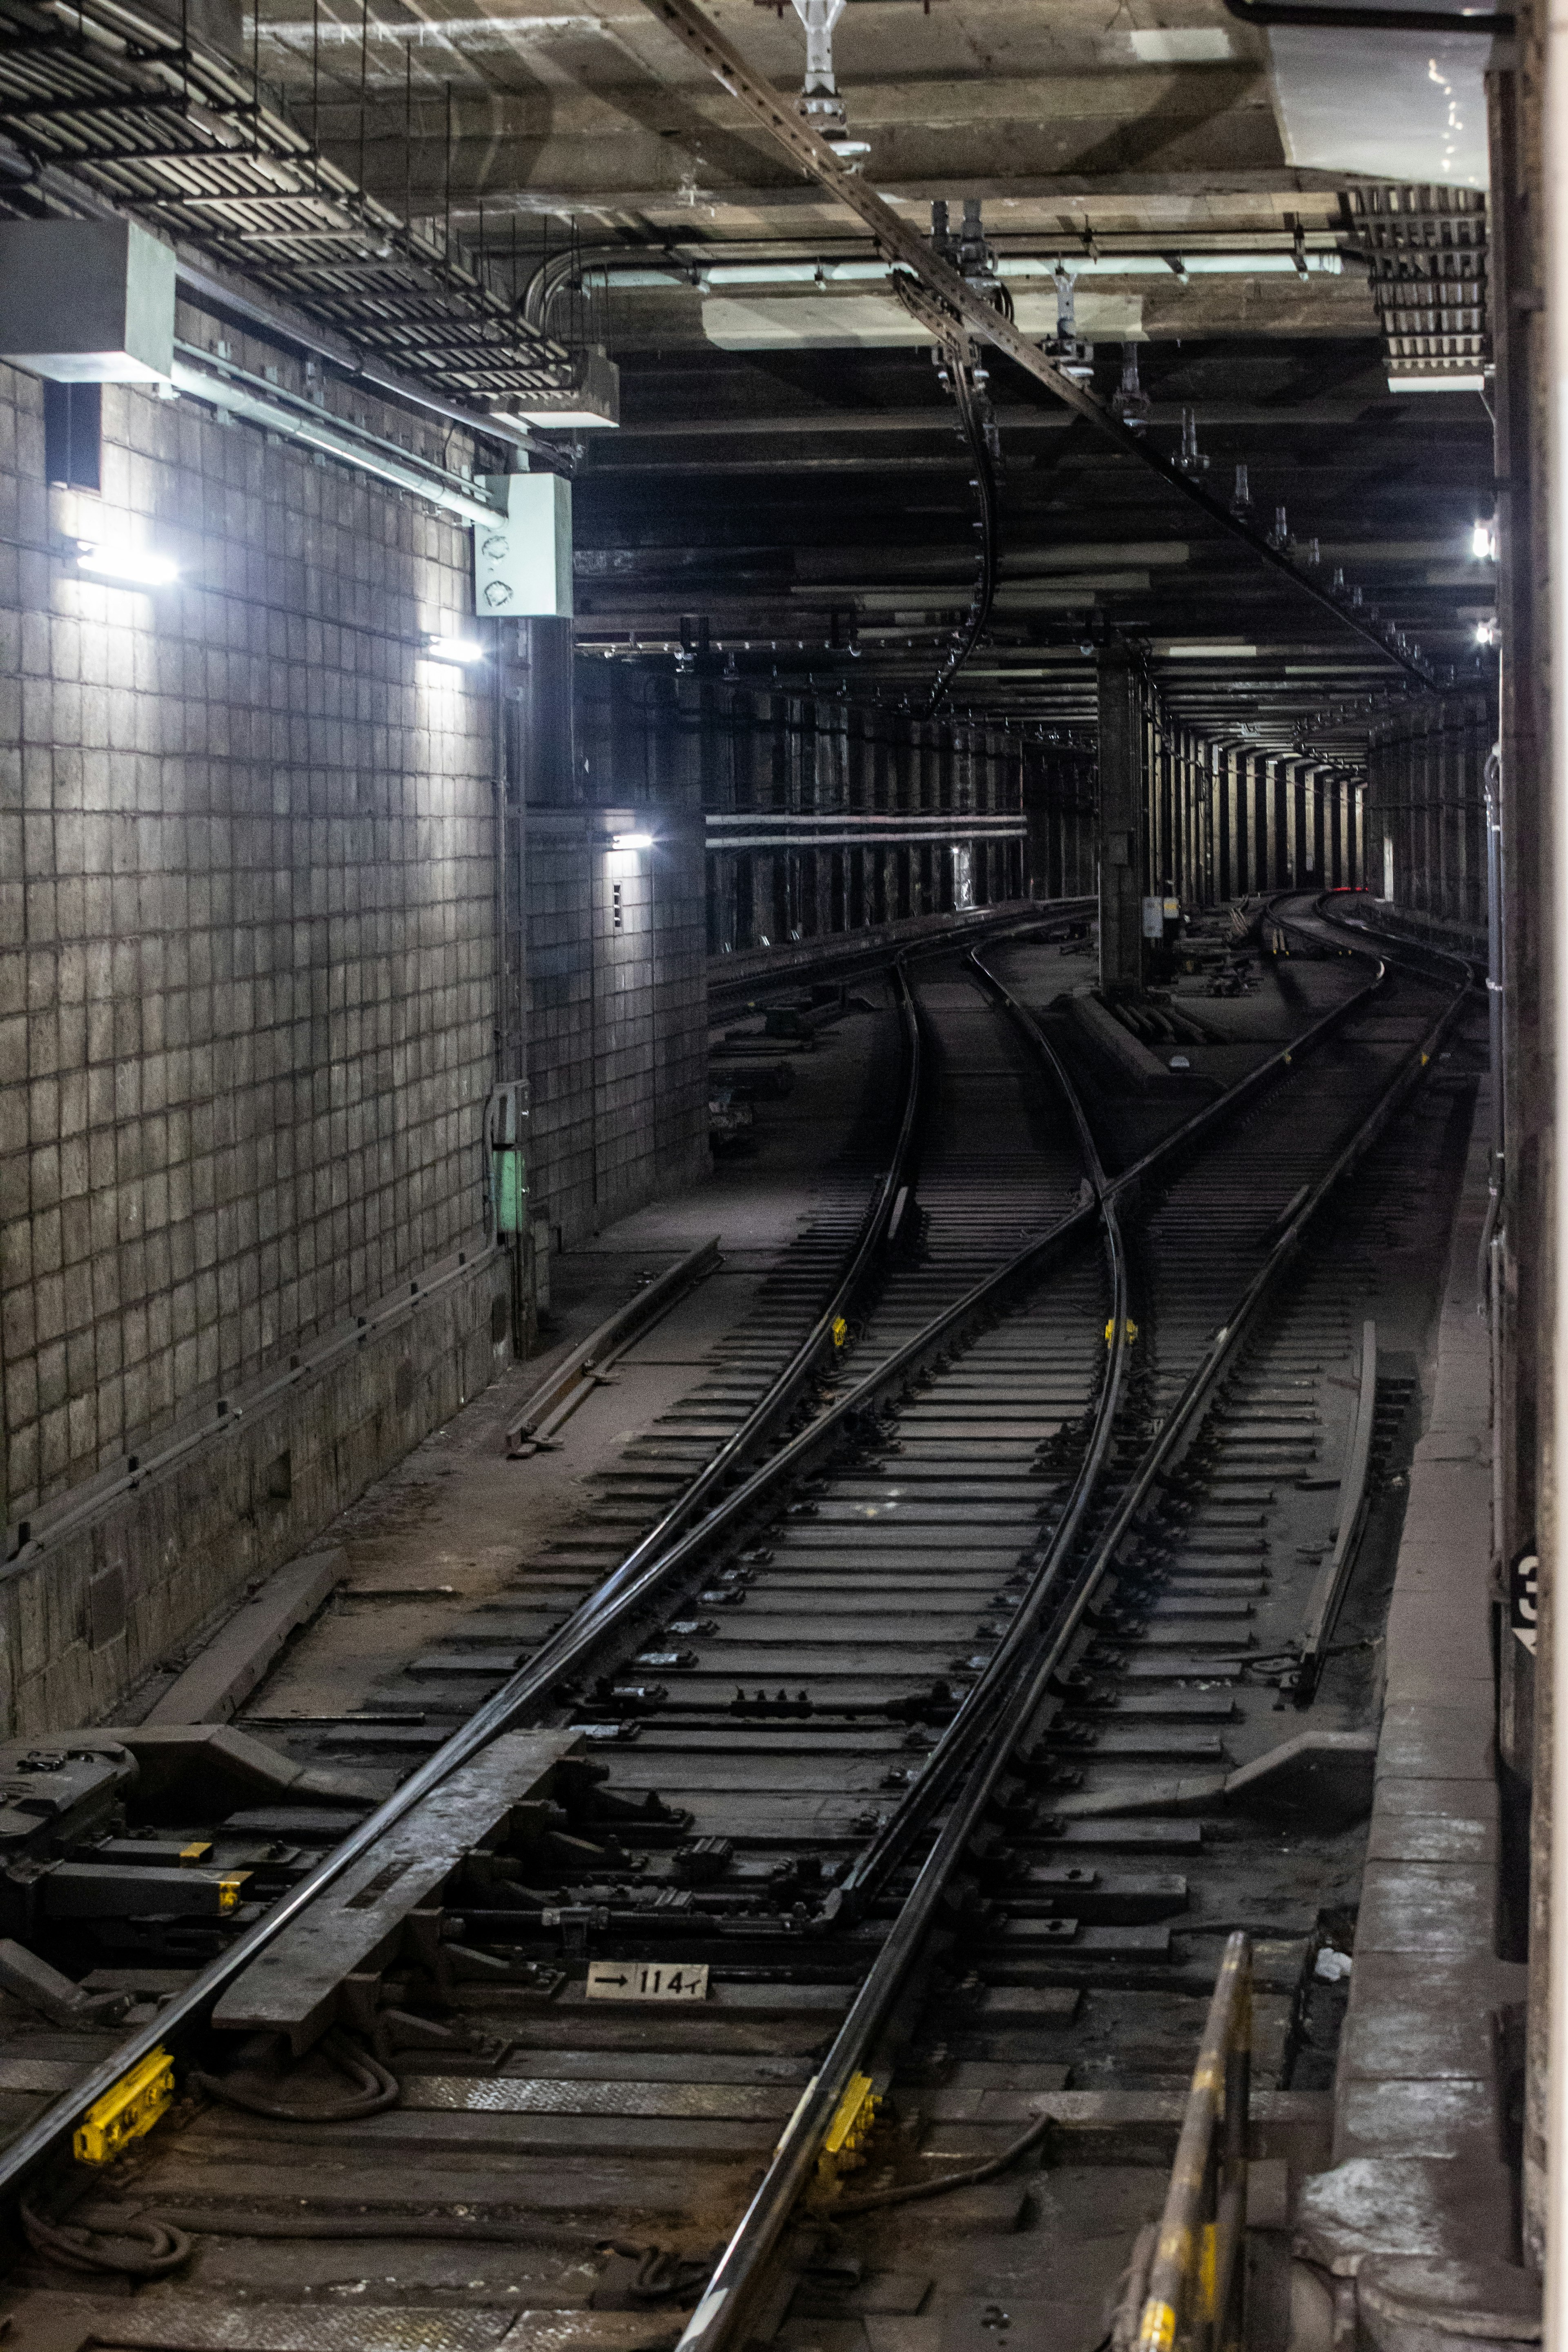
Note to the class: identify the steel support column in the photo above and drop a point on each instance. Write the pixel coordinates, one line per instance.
(1122, 824)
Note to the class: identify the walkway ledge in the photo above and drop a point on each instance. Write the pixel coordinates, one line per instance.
(1411, 2233)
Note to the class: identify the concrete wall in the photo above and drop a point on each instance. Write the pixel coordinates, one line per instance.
(246, 956)
(618, 1017)
(1425, 814)
(134, 1563)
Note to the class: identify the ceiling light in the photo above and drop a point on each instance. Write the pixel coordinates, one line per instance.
(565, 419)
(1437, 384)
(1486, 633)
(139, 567)
(631, 841)
(1483, 543)
(460, 651)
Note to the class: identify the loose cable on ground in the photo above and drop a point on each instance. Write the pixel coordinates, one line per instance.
(163, 2247)
(970, 2178)
(377, 2089)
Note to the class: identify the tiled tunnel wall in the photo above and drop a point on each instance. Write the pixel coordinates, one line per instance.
(246, 978)
(618, 1016)
(249, 984)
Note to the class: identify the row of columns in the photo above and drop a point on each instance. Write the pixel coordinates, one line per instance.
(762, 897)
(1184, 819)
(735, 752)
(1426, 801)
(740, 751)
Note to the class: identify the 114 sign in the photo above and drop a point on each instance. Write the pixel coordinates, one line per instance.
(647, 1980)
(1521, 1603)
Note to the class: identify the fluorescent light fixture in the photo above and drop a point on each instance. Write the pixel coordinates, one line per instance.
(1483, 543)
(565, 419)
(1437, 384)
(138, 567)
(631, 841)
(460, 651)
(1203, 649)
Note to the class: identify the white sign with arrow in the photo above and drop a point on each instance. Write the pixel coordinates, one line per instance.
(647, 1980)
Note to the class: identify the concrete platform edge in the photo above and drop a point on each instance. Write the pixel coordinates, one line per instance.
(1419, 2166)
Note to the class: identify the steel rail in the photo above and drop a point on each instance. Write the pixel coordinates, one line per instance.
(1328, 1591)
(587, 1363)
(819, 1341)
(973, 315)
(531, 1686)
(728, 2300)
(861, 957)
(890, 1846)
(1397, 946)
(647, 1566)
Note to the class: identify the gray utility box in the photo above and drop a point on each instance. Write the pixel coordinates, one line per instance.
(87, 301)
(523, 561)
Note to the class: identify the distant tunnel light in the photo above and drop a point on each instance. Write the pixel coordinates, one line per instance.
(138, 567)
(1483, 543)
(460, 651)
(631, 841)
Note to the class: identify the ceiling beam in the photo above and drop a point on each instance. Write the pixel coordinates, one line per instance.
(1076, 188)
(942, 420)
(942, 287)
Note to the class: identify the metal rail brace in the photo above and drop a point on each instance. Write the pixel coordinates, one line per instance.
(1192, 2301)
(1328, 1591)
(564, 1388)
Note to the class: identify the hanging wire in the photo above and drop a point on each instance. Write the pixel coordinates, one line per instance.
(408, 134)
(446, 227)
(984, 483)
(364, 79)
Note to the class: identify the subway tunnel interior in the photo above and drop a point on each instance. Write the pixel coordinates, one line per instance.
(778, 1257)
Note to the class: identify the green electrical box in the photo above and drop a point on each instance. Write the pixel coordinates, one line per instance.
(510, 1184)
(507, 1170)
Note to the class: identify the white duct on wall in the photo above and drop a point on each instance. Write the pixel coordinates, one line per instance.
(87, 301)
(1385, 106)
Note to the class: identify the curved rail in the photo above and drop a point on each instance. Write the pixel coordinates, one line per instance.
(1394, 947)
(861, 956)
(644, 1576)
(658, 1556)
(725, 2306)
(953, 1752)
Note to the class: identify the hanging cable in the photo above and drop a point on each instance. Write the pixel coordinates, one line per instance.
(979, 431)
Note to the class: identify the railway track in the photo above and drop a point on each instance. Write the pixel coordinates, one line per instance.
(911, 1763)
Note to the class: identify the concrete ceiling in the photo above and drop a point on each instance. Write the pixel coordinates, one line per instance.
(788, 469)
